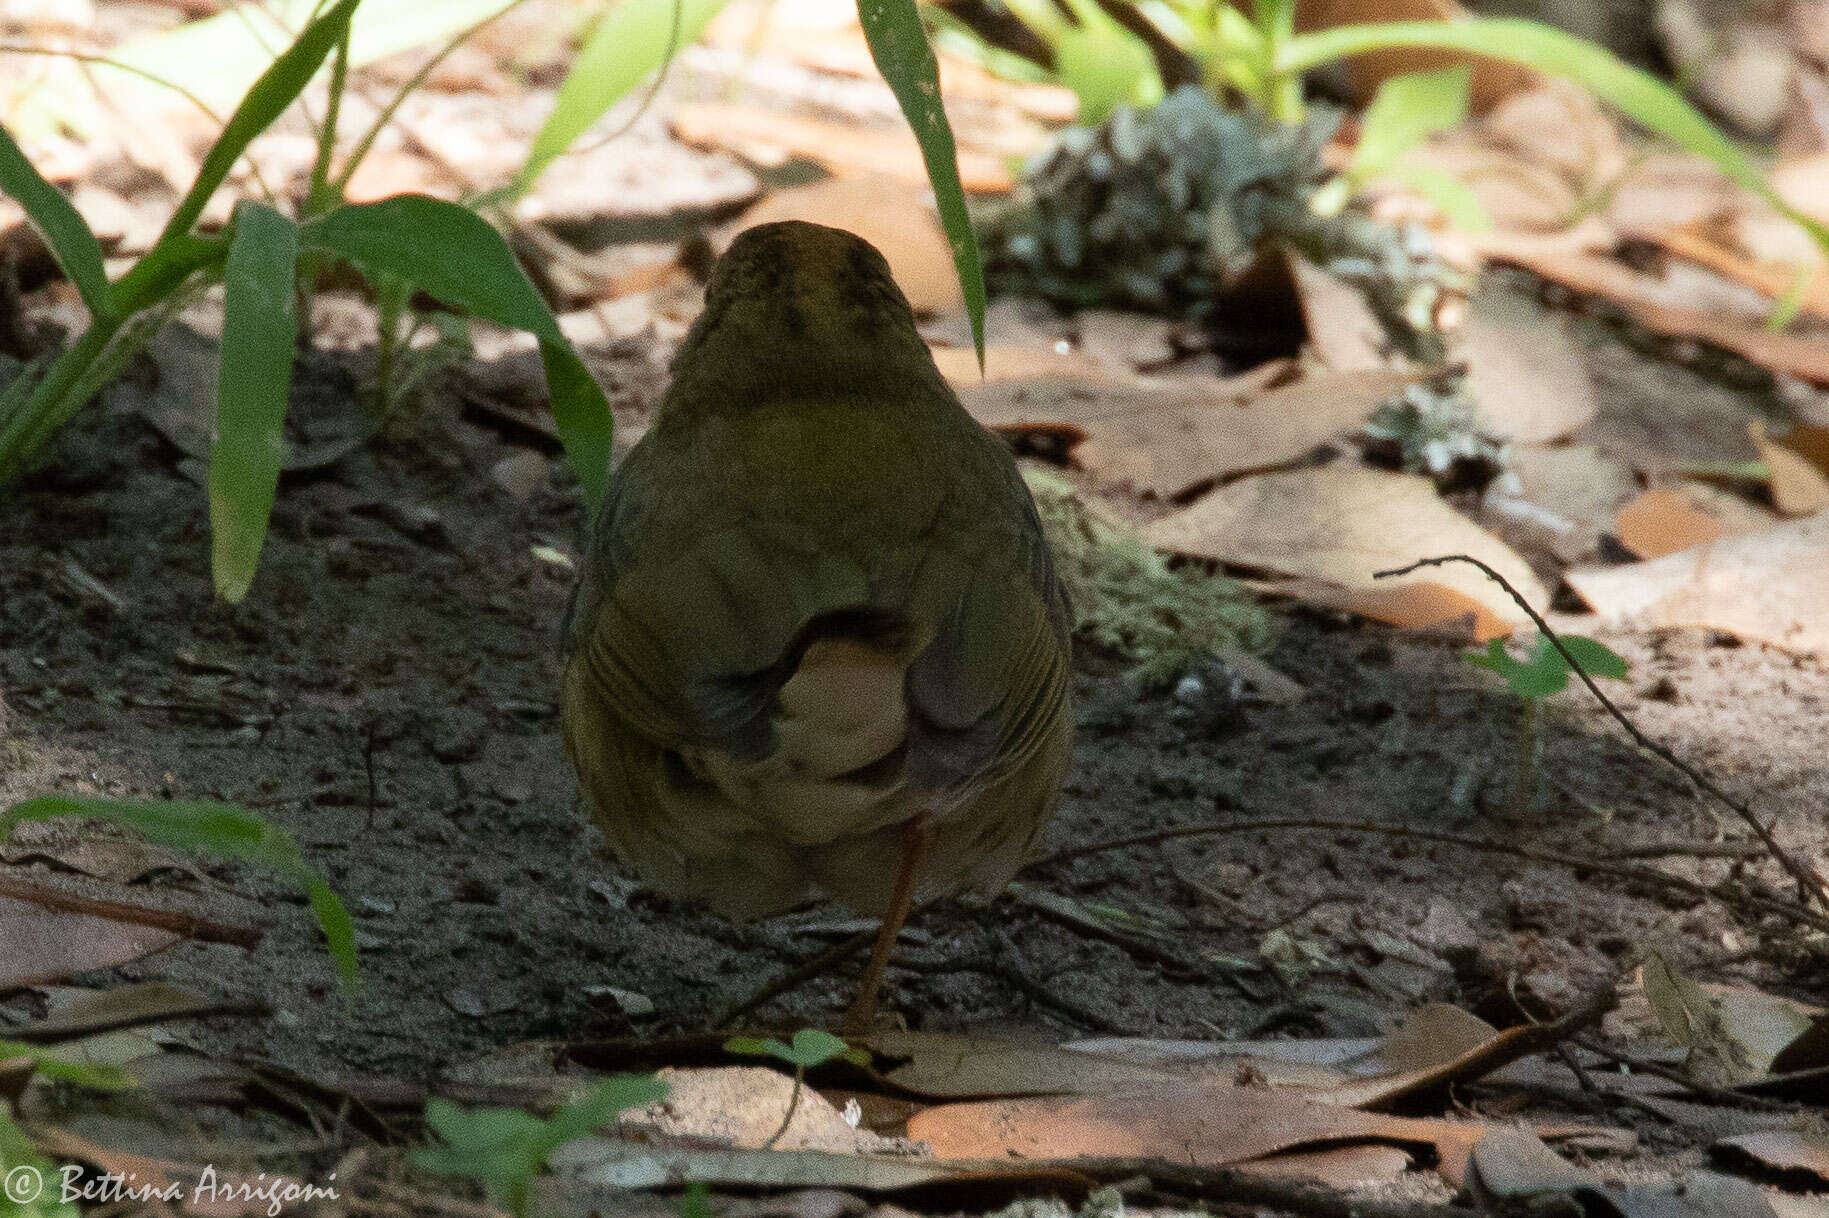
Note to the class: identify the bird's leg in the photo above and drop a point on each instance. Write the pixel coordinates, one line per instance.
(917, 841)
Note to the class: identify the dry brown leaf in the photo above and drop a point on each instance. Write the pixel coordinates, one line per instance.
(890, 214)
(1564, 128)
(770, 138)
(196, 1188)
(1167, 438)
(1800, 356)
(1342, 328)
(1799, 487)
(1669, 190)
(1732, 254)
(1204, 1125)
(1568, 495)
(1341, 523)
(1661, 521)
(1772, 586)
(1737, 516)
(1803, 1150)
(1527, 374)
(1493, 79)
(51, 944)
(959, 365)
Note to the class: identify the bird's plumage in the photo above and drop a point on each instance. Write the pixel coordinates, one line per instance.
(817, 603)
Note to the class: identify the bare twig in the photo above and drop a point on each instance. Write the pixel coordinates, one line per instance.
(1714, 1095)
(1811, 887)
(1650, 875)
(190, 926)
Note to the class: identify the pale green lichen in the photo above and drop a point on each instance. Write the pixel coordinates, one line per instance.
(1127, 599)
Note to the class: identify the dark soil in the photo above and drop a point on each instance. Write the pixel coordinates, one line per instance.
(386, 693)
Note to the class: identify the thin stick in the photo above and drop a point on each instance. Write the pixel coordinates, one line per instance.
(1810, 886)
(1650, 875)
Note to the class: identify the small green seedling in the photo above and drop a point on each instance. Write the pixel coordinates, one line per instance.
(1540, 675)
(31, 1183)
(505, 1148)
(811, 1048)
(224, 829)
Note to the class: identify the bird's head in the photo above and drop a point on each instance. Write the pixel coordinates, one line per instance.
(800, 304)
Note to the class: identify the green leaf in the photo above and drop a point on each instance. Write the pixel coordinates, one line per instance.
(1640, 95)
(51, 1062)
(222, 828)
(812, 1047)
(631, 40)
(899, 47)
(277, 88)
(20, 1199)
(451, 253)
(1405, 111)
(254, 380)
(504, 1148)
(1545, 672)
(1596, 658)
(71, 242)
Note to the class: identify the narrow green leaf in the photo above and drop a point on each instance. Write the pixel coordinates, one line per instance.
(632, 40)
(277, 88)
(71, 242)
(223, 829)
(451, 253)
(1640, 95)
(254, 380)
(1405, 111)
(899, 47)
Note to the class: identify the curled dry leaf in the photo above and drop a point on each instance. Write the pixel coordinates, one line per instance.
(1772, 586)
(890, 214)
(1334, 526)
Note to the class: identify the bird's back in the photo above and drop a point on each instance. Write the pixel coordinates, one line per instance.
(816, 605)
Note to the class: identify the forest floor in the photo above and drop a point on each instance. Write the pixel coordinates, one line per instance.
(386, 693)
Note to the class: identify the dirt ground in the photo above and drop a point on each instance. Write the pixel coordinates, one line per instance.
(387, 694)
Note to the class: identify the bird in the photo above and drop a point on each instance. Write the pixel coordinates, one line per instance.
(818, 645)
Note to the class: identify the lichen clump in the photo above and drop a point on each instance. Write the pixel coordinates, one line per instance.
(1126, 598)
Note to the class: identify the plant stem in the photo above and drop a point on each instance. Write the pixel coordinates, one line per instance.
(1524, 787)
(320, 198)
(793, 1102)
(47, 408)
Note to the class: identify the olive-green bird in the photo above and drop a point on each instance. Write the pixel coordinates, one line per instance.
(818, 645)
